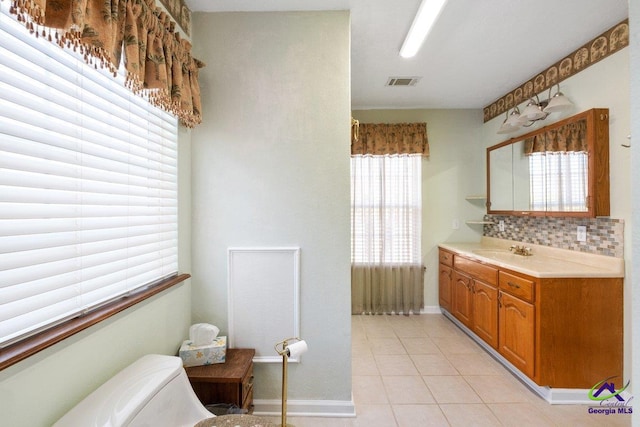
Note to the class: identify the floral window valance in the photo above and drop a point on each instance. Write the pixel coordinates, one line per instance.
(571, 137)
(397, 138)
(157, 61)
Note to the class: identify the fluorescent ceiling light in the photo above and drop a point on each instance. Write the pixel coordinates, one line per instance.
(425, 18)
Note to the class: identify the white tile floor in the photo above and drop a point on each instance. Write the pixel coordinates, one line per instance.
(415, 371)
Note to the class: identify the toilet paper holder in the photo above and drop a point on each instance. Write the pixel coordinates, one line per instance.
(291, 350)
(291, 347)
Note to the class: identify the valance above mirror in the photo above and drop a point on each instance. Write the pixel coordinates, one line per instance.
(558, 170)
(571, 137)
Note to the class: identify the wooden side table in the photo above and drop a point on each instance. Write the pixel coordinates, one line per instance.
(230, 382)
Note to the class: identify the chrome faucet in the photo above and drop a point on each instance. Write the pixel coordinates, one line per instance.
(520, 250)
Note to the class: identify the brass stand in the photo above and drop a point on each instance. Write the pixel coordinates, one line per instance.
(284, 352)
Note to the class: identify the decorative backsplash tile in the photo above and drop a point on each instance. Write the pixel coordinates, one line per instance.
(604, 235)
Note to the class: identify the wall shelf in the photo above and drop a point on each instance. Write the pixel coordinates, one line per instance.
(473, 199)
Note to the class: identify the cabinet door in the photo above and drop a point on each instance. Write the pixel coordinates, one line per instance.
(516, 332)
(461, 298)
(444, 286)
(485, 312)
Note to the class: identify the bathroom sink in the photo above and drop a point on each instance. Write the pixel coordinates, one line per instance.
(500, 255)
(492, 252)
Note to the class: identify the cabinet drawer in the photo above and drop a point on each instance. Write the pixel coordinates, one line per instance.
(446, 258)
(247, 384)
(517, 286)
(483, 272)
(248, 402)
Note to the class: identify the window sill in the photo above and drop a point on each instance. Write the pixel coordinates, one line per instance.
(29, 346)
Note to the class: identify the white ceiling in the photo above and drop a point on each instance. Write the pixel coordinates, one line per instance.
(477, 51)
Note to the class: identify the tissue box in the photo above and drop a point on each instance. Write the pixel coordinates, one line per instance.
(215, 352)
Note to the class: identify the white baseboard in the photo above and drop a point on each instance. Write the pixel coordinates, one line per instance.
(431, 309)
(555, 396)
(570, 396)
(306, 408)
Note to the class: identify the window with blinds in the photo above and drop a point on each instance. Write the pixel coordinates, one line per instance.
(386, 209)
(88, 186)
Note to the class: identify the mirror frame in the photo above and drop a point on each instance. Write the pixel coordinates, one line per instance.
(598, 201)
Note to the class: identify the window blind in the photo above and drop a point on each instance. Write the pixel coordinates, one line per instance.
(386, 209)
(88, 186)
(558, 181)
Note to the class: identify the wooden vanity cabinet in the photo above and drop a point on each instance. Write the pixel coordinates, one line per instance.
(445, 279)
(475, 298)
(560, 332)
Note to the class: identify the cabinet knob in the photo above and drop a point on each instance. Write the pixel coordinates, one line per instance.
(513, 285)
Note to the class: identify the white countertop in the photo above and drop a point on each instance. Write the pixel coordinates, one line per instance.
(545, 261)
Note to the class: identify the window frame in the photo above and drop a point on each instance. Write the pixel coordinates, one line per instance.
(26, 347)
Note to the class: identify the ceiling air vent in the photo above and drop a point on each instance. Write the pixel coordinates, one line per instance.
(403, 81)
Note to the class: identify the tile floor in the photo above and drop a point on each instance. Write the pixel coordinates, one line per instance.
(423, 371)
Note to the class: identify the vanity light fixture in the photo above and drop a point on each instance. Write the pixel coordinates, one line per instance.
(427, 15)
(558, 102)
(511, 122)
(535, 110)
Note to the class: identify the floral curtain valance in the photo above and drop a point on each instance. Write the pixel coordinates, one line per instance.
(157, 61)
(571, 137)
(397, 138)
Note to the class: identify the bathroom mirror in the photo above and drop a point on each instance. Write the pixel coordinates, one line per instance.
(558, 170)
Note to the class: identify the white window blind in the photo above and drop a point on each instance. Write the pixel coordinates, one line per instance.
(558, 181)
(88, 186)
(386, 209)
